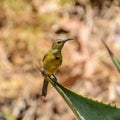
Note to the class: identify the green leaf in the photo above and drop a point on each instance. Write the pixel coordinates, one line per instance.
(115, 60)
(85, 108)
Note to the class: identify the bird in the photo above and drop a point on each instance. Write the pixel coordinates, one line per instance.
(52, 60)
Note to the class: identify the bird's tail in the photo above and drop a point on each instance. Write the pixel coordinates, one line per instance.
(45, 86)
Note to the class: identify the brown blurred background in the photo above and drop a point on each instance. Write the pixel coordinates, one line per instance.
(27, 29)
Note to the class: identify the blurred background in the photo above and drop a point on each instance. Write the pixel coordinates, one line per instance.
(27, 30)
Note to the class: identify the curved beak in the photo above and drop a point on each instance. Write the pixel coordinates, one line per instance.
(68, 40)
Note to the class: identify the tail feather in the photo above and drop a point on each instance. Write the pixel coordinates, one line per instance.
(45, 86)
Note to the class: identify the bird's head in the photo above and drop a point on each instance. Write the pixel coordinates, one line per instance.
(58, 44)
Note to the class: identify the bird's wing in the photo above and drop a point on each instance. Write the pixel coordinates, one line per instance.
(44, 57)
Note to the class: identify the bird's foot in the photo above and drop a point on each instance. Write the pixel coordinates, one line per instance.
(43, 73)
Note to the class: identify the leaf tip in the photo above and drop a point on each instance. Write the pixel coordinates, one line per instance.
(109, 51)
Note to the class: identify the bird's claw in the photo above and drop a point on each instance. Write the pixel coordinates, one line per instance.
(43, 73)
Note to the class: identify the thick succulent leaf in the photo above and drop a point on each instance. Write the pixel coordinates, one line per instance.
(115, 60)
(85, 108)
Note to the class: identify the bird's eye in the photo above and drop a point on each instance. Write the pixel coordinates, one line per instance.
(59, 42)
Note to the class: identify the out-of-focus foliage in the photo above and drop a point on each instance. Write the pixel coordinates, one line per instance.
(27, 29)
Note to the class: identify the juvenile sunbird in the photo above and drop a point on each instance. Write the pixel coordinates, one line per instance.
(52, 61)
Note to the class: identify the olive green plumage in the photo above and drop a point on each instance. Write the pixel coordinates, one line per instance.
(52, 61)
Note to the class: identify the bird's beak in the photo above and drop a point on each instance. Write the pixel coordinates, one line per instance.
(68, 40)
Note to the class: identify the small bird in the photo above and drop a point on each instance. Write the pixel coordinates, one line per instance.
(52, 61)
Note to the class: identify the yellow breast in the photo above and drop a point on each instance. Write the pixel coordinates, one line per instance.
(51, 63)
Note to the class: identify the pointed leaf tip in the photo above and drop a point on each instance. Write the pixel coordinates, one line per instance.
(115, 60)
(109, 51)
